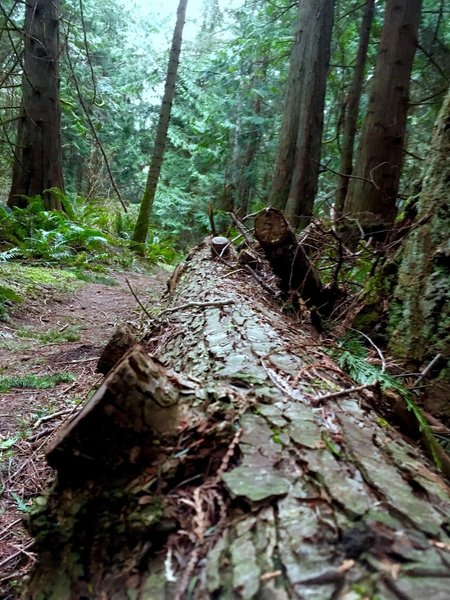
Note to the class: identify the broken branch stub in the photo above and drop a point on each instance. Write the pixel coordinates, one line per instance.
(220, 246)
(137, 400)
(289, 261)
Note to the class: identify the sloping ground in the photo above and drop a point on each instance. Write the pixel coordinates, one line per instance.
(54, 341)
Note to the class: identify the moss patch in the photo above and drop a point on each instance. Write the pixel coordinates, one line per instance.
(19, 282)
(36, 382)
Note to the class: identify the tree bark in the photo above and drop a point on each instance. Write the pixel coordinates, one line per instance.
(145, 210)
(420, 311)
(258, 471)
(297, 169)
(38, 159)
(351, 109)
(371, 198)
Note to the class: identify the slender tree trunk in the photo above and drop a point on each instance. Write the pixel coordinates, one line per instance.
(289, 126)
(143, 220)
(351, 109)
(245, 465)
(371, 198)
(38, 163)
(247, 178)
(295, 182)
(315, 59)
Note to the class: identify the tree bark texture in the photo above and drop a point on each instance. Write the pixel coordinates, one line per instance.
(351, 109)
(297, 168)
(145, 210)
(420, 311)
(38, 160)
(244, 465)
(372, 197)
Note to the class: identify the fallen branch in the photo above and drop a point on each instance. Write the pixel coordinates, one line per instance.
(195, 305)
(138, 301)
(353, 390)
(55, 415)
(16, 554)
(426, 370)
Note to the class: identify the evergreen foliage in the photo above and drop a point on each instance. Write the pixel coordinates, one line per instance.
(224, 128)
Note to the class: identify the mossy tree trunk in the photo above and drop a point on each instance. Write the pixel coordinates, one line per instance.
(256, 472)
(420, 312)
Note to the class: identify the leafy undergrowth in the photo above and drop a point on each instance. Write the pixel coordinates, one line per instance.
(49, 346)
(356, 360)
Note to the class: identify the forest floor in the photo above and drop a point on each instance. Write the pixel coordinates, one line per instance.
(54, 341)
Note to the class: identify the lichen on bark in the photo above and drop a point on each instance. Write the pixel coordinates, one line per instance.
(420, 311)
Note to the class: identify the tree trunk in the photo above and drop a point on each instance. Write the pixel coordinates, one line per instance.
(297, 168)
(38, 159)
(351, 109)
(420, 311)
(145, 210)
(259, 473)
(247, 180)
(371, 198)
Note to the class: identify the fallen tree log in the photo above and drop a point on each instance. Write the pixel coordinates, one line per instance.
(236, 461)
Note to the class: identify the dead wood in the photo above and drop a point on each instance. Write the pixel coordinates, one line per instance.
(291, 264)
(211, 473)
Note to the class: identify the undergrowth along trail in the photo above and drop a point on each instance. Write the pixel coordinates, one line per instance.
(48, 353)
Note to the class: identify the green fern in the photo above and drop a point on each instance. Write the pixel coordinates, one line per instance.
(353, 360)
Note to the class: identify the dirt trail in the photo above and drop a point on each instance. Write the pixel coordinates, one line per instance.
(29, 416)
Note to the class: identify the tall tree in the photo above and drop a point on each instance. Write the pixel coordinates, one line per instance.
(37, 165)
(351, 108)
(297, 167)
(143, 220)
(372, 194)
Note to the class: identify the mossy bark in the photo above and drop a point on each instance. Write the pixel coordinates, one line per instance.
(266, 488)
(420, 312)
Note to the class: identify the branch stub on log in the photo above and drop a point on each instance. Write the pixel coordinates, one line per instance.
(271, 228)
(220, 246)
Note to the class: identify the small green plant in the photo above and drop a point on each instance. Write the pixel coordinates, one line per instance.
(36, 382)
(7, 443)
(329, 444)
(8, 295)
(161, 251)
(70, 333)
(352, 358)
(21, 505)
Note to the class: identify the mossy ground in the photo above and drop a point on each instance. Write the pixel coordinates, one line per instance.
(20, 282)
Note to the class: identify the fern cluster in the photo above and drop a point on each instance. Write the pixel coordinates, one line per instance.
(353, 356)
(86, 234)
(77, 235)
